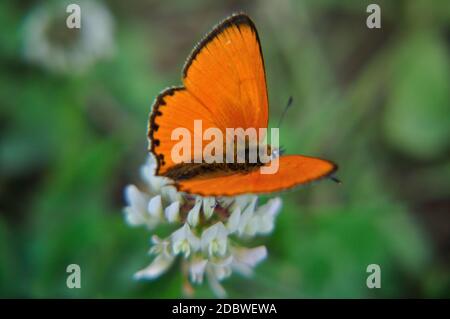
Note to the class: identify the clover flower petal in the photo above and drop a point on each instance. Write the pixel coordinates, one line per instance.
(194, 214)
(233, 221)
(245, 259)
(159, 265)
(184, 241)
(214, 240)
(136, 209)
(197, 269)
(209, 203)
(172, 212)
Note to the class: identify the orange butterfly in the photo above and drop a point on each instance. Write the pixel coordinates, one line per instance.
(224, 86)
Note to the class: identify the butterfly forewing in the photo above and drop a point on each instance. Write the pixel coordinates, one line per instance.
(226, 74)
(224, 87)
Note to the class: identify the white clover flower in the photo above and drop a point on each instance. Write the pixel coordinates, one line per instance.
(136, 211)
(184, 241)
(209, 203)
(233, 221)
(160, 264)
(245, 259)
(170, 194)
(141, 209)
(172, 212)
(194, 214)
(264, 217)
(205, 229)
(158, 204)
(246, 228)
(221, 269)
(49, 43)
(155, 207)
(214, 240)
(160, 246)
(197, 268)
(214, 283)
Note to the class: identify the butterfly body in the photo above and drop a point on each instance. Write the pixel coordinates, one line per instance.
(186, 171)
(224, 86)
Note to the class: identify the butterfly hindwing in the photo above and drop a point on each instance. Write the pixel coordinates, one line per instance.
(293, 170)
(174, 108)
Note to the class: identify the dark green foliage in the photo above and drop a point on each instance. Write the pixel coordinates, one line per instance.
(374, 101)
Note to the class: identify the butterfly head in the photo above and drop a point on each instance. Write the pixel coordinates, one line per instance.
(276, 152)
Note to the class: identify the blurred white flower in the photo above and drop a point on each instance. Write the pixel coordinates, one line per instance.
(233, 221)
(264, 217)
(214, 283)
(221, 269)
(241, 260)
(209, 203)
(184, 241)
(194, 214)
(246, 228)
(160, 264)
(48, 41)
(141, 209)
(160, 246)
(245, 259)
(205, 229)
(172, 212)
(159, 203)
(197, 268)
(136, 211)
(155, 207)
(214, 240)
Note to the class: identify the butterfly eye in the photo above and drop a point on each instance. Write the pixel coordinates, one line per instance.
(276, 152)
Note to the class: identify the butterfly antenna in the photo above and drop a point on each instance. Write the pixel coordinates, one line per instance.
(335, 179)
(288, 105)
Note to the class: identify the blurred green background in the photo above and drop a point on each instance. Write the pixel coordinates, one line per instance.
(375, 101)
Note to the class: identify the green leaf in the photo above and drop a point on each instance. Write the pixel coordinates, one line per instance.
(416, 118)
